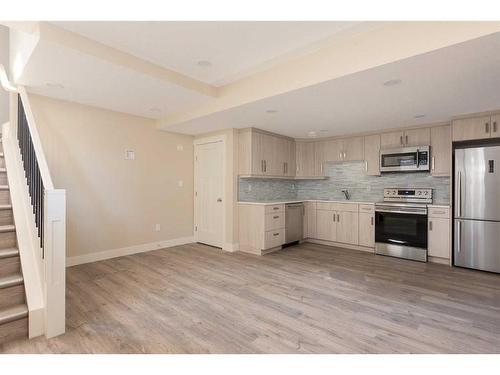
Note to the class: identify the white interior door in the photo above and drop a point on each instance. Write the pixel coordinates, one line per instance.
(209, 165)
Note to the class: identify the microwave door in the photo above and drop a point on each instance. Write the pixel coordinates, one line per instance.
(399, 161)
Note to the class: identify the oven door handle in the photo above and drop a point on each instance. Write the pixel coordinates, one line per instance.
(418, 160)
(415, 211)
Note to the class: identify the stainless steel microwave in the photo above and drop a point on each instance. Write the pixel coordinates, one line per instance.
(406, 159)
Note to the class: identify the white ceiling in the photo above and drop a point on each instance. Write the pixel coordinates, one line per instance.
(235, 49)
(93, 81)
(460, 79)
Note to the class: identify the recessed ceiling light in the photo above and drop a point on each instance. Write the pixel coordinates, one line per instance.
(54, 85)
(154, 109)
(204, 63)
(312, 134)
(418, 116)
(271, 111)
(323, 130)
(392, 82)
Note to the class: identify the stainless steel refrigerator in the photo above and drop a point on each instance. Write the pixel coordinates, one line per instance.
(477, 208)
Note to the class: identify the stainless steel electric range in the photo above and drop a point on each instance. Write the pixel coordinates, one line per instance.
(401, 223)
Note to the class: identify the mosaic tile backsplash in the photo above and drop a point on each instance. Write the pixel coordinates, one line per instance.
(347, 175)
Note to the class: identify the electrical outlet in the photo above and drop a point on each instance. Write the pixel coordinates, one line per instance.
(157, 227)
(180, 148)
(129, 155)
(180, 183)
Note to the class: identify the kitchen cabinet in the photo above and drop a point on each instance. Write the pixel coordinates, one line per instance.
(309, 219)
(319, 158)
(263, 154)
(261, 228)
(337, 222)
(326, 228)
(441, 150)
(438, 237)
(367, 225)
(476, 128)
(305, 158)
(353, 149)
(372, 155)
(406, 138)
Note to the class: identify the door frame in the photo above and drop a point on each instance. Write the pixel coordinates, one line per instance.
(202, 141)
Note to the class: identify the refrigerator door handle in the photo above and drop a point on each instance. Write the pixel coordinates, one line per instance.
(459, 194)
(459, 236)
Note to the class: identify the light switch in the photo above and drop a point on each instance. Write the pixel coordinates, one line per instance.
(180, 147)
(157, 227)
(129, 155)
(180, 183)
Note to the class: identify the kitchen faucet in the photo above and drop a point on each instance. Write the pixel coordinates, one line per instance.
(346, 194)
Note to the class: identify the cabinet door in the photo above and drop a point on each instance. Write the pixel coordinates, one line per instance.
(290, 166)
(281, 156)
(441, 150)
(439, 238)
(257, 151)
(332, 150)
(471, 128)
(417, 137)
(319, 158)
(304, 152)
(325, 226)
(366, 229)
(353, 149)
(392, 140)
(347, 227)
(310, 220)
(372, 155)
(495, 126)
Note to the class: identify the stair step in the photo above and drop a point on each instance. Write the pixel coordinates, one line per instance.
(13, 313)
(5, 207)
(8, 253)
(11, 280)
(7, 228)
(4, 187)
(3, 170)
(1, 154)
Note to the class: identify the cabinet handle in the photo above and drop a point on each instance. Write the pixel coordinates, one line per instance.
(494, 127)
(340, 155)
(371, 220)
(401, 139)
(366, 166)
(276, 208)
(284, 168)
(276, 217)
(486, 127)
(321, 168)
(334, 217)
(345, 154)
(430, 225)
(433, 162)
(265, 165)
(406, 139)
(338, 218)
(276, 234)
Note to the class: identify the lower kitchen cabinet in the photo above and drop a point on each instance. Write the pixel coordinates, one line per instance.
(337, 222)
(347, 227)
(261, 228)
(326, 228)
(367, 225)
(309, 219)
(438, 238)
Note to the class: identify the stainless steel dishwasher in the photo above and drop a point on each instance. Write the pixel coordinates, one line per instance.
(294, 213)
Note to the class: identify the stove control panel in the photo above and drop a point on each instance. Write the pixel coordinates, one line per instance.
(408, 195)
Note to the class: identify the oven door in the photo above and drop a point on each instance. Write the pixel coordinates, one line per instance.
(405, 159)
(401, 228)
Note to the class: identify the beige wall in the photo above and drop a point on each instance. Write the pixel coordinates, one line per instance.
(4, 60)
(231, 185)
(112, 202)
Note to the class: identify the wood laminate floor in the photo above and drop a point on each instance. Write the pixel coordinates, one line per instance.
(304, 299)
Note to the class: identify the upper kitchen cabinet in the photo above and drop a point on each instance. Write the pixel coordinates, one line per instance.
(347, 149)
(264, 154)
(305, 158)
(353, 149)
(441, 150)
(412, 137)
(476, 128)
(372, 155)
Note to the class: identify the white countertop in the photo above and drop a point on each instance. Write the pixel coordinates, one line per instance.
(269, 203)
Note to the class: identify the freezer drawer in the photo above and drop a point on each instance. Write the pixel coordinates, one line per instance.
(477, 244)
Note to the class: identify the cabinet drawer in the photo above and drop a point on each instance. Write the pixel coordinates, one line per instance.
(274, 238)
(274, 208)
(346, 207)
(367, 208)
(439, 212)
(326, 206)
(274, 221)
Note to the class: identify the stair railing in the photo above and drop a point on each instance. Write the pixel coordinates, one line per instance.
(46, 204)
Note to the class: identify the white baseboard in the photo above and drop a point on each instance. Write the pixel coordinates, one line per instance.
(114, 253)
(231, 247)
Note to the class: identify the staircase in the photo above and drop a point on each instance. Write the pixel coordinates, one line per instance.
(13, 308)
